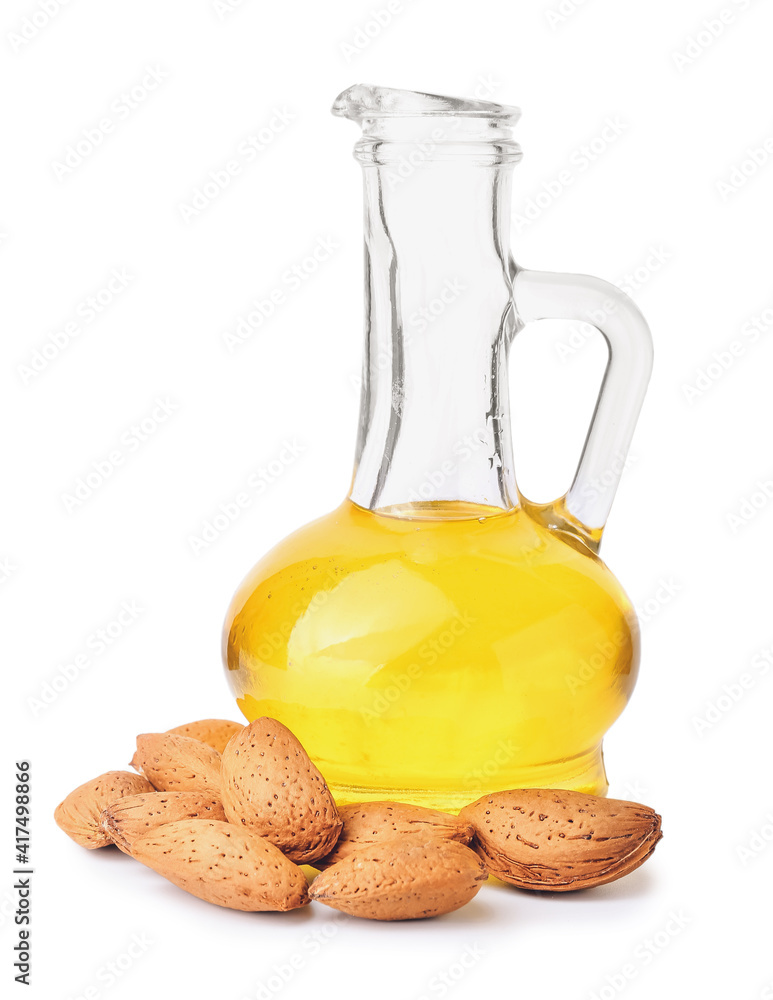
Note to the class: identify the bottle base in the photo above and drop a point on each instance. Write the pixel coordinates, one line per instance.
(584, 773)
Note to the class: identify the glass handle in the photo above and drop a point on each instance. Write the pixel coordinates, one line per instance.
(584, 509)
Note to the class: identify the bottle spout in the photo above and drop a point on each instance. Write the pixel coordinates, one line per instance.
(395, 123)
(363, 102)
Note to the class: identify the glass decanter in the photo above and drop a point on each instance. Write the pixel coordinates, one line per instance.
(438, 636)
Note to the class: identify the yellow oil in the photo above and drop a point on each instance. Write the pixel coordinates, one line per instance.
(435, 657)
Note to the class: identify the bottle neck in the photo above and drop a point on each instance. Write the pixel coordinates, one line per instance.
(434, 434)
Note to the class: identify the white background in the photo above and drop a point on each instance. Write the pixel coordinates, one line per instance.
(702, 580)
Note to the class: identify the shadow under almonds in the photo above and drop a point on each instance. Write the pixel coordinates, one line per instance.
(637, 885)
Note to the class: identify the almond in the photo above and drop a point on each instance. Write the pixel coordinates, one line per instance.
(374, 822)
(401, 879)
(78, 815)
(557, 840)
(224, 864)
(214, 732)
(270, 786)
(139, 815)
(178, 763)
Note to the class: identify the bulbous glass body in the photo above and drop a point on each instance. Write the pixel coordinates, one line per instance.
(436, 658)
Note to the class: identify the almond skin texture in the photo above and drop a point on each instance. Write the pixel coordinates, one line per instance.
(140, 815)
(270, 786)
(558, 840)
(374, 822)
(401, 880)
(214, 732)
(78, 815)
(224, 864)
(178, 763)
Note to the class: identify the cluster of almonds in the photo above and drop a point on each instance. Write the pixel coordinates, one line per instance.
(229, 813)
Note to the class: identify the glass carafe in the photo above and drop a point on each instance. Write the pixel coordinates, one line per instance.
(438, 636)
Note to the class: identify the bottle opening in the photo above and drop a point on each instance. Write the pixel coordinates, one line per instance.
(362, 101)
(396, 123)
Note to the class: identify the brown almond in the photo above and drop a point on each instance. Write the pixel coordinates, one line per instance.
(139, 815)
(401, 880)
(270, 786)
(214, 732)
(178, 763)
(556, 840)
(224, 864)
(374, 822)
(78, 815)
